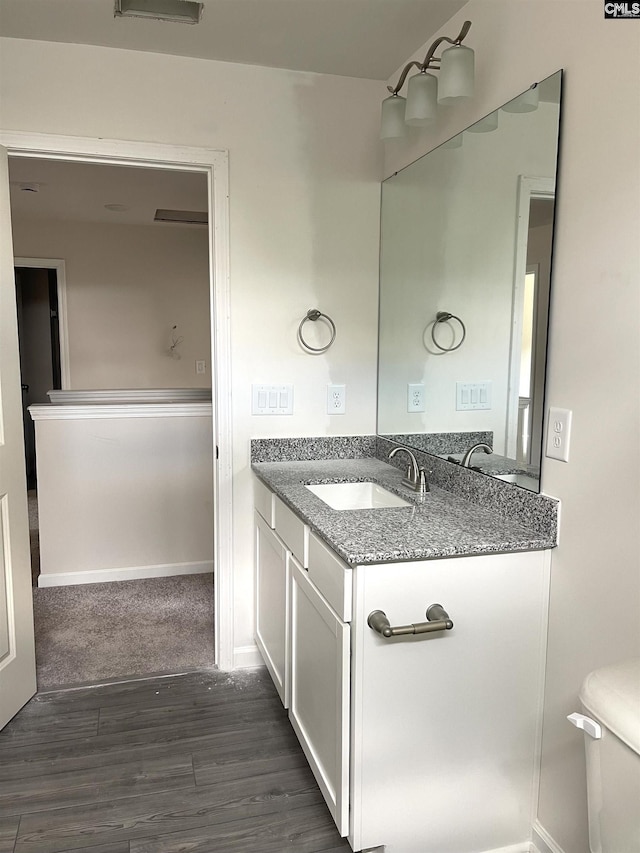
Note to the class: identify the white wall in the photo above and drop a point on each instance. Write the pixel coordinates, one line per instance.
(127, 285)
(304, 205)
(593, 359)
(123, 497)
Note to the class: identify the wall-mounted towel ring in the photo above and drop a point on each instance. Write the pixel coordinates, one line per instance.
(444, 317)
(313, 314)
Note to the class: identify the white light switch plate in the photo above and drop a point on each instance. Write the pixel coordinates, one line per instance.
(473, 395)
(558, 434)
(272, 399)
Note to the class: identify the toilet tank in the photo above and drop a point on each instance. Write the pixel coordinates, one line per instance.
(611, 698)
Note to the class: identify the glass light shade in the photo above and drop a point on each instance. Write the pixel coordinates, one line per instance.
(454, 142)
(392, 125)
(456, 74)
(422, 100)
(486, 124)
(527, 102)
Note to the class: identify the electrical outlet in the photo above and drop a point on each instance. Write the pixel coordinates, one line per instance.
(336, 399)
(558, 434)
(201, 367)
(415, 397)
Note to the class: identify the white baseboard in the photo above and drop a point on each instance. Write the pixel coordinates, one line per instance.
(245, 657)
(164, 570)
(543, 842)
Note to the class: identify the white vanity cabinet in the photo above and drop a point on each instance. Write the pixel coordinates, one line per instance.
(423, 743)
(279, 537)
(272, 605)
(304, 638)
(320, 691)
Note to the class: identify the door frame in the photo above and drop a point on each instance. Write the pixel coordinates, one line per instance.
(58, 265)
(215, 164)
(528, 188)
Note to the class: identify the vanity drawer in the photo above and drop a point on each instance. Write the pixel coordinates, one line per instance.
(263, 501)
(293, 532)
(331, 576)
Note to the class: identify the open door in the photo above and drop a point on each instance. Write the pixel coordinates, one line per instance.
(17, 649)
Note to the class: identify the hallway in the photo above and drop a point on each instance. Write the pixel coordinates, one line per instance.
(90, 633)
(203, 762)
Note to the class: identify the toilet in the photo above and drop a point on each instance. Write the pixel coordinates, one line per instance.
(610, 699)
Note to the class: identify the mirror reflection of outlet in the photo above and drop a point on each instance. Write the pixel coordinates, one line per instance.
(415, 397)
(336, 399)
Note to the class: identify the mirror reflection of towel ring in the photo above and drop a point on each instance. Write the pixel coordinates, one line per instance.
(444, 317)
(313, 314)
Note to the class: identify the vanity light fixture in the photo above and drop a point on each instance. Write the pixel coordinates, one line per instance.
(425, 91)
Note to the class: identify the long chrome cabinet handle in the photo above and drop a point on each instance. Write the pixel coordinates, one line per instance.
(437, 620)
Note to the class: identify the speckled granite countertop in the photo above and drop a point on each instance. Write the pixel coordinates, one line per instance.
(441, 524)
(494, 464)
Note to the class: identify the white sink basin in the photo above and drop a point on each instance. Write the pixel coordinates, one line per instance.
(356, 496)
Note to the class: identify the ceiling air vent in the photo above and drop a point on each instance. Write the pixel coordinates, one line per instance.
(182, 217)
(180, 11)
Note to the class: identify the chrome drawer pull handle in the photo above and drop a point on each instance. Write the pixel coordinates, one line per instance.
(437, 620)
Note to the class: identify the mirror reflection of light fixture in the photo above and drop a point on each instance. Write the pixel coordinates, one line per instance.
(486, 124)
(454, 142)
(527, 102)
(425, 91)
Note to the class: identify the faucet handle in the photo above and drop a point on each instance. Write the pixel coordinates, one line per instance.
(423, 485)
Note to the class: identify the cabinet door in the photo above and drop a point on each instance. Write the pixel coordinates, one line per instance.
(319, 710)
(272, 605)
(447, 725)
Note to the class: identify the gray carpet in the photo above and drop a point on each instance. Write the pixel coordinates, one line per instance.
(95, 632)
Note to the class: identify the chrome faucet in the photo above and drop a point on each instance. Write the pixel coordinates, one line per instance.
(466, 459)
(416, 477)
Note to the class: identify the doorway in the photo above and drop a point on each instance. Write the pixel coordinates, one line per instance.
(529, 323)
(125, 294)
(213, 164)
(39, 337)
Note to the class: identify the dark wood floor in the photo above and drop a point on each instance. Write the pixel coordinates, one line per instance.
(194, 763)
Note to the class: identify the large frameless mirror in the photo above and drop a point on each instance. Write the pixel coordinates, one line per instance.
(465, 272)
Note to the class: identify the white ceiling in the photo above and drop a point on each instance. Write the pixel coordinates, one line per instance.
(72, 191)
(352, 38)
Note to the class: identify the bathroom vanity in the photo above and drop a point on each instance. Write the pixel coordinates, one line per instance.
(419, 742)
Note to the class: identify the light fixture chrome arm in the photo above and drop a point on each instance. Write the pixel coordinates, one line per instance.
(430, 60)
